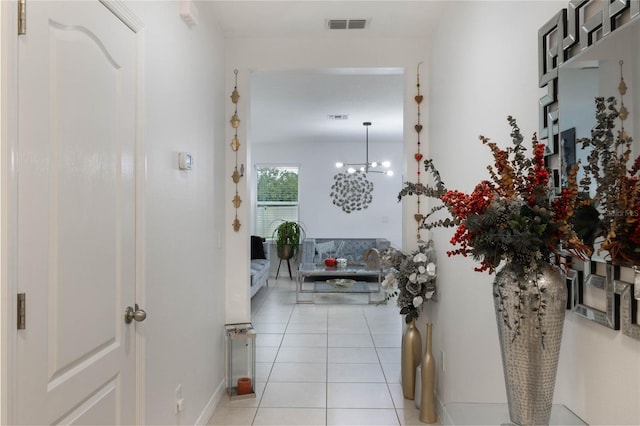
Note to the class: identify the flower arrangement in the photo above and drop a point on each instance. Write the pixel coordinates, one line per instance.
(411, 278)
(515, 218)
(510, 217)
(613, 213)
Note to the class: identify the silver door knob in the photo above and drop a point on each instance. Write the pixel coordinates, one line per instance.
(131, 314)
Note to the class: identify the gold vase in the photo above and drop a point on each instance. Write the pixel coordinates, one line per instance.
(410, 359)
(428, 372)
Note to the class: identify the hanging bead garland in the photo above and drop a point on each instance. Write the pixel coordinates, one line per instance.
(623, 113)
(235, 145)
(418, 155)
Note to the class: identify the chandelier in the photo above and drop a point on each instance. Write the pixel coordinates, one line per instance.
(367, 166)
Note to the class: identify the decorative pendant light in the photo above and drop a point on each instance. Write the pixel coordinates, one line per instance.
(367, 166)
(351, 190)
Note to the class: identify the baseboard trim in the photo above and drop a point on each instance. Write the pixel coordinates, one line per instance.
(211, 405)
(442, 412)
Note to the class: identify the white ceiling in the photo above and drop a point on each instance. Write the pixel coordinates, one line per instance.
(307, 18)
(295, 104)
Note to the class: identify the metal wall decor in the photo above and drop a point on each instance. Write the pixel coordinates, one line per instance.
(571, 31)
(238, 172)
(352, 191)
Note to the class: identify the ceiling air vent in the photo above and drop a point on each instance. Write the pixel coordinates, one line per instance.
(356, 24)
(338, 116)
(347, 24)
(337, 24)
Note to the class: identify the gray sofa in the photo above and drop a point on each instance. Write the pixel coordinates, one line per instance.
(260, 267)
(315, 250)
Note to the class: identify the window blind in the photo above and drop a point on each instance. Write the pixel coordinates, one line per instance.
(277, 197)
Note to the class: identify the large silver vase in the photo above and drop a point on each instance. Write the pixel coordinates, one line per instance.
(530, 316)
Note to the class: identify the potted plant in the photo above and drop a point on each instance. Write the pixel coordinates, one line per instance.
(287, 236)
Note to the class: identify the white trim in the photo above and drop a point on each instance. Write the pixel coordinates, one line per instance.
(206, 414)
(8, 204)
(122, 12)
(141, 227)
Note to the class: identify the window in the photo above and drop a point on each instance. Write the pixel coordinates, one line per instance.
(277, 197)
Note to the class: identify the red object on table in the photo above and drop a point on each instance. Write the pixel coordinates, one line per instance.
(330, 262)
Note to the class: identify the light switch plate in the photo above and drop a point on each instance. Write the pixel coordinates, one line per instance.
(185, 161)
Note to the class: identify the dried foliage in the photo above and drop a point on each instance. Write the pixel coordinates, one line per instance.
(512, 216)
(614, 211)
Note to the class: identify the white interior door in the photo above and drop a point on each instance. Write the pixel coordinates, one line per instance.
(76, 216)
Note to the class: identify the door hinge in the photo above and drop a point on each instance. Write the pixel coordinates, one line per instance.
(22, 311)
(22, 17)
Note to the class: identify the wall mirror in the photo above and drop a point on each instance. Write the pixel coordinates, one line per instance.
(580, 54)
(597, 72)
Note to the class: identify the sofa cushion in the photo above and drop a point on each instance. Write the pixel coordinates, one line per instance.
(257, 250)
(315, 250)
(258, 266)
(260, 269)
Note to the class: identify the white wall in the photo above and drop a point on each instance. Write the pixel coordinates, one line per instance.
(4, 300)
(317, 168)
(184, 96)
(247, 55)
(483, 68)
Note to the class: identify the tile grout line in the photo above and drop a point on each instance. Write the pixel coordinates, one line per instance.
(386, 379)
(284, 332)
(328, 315)
(326, 378)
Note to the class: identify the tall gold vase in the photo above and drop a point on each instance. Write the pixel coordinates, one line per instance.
(428, 372)
(410, 359)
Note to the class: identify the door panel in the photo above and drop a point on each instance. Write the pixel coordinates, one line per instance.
(76, 215)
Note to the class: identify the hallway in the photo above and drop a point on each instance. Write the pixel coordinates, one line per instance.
(332, 363)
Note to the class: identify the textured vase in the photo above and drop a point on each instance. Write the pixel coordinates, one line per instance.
(428, 372)
(530, 338)
(410, 358)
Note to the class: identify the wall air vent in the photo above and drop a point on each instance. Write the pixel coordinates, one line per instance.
(347, 24)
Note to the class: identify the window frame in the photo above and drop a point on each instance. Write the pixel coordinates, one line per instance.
(259, 225)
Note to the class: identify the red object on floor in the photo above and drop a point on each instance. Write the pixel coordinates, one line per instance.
(244, 385)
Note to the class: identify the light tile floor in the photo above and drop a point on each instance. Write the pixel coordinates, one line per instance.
(332, 363)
